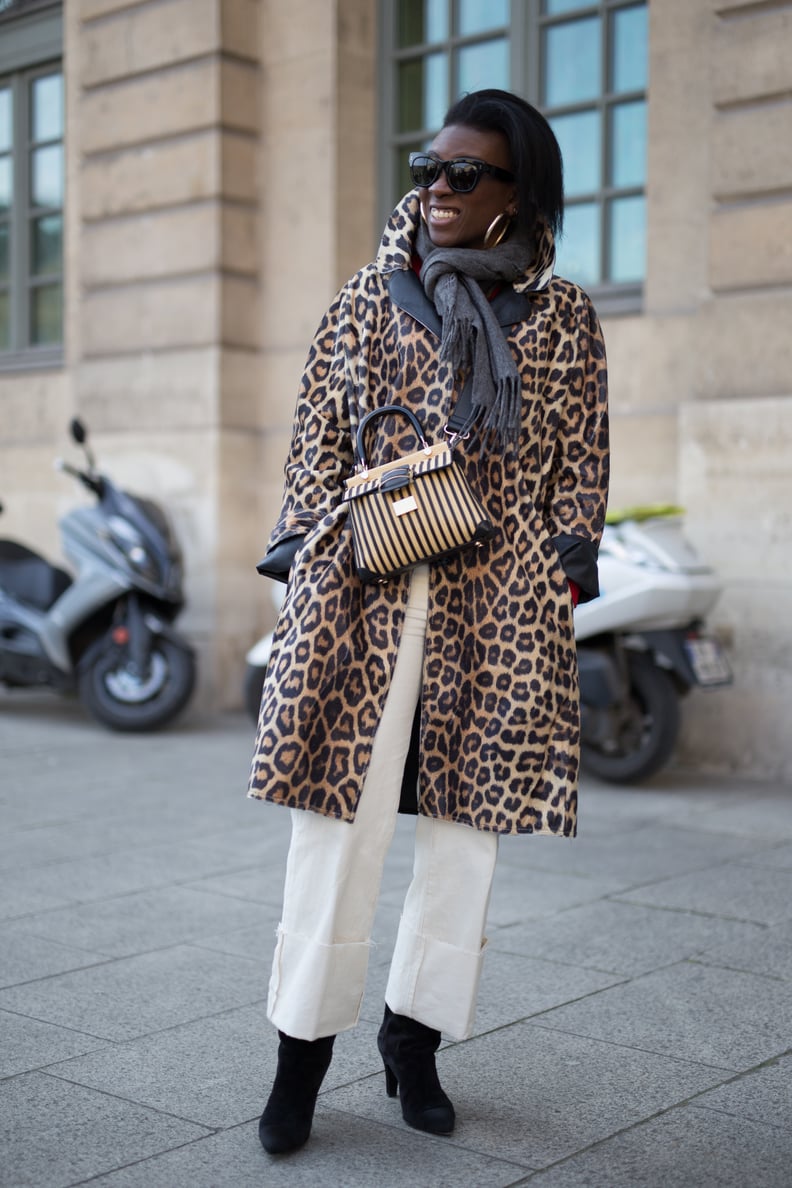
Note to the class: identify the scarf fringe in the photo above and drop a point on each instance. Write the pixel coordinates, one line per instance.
(502, 417)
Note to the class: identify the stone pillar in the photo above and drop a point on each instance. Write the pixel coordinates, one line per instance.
(165, 353)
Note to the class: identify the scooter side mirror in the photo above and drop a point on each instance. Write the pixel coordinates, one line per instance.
(78, 431)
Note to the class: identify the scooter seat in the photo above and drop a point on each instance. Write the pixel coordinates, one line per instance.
(29, 577)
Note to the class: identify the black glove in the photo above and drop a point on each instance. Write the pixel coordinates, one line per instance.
(278, 561)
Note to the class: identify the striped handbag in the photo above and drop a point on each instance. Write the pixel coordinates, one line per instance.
(415, 509)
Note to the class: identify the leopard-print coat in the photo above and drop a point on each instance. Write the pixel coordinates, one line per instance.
(500, 727)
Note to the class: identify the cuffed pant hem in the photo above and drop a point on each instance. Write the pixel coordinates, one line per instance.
(435, 983)
(316, 990)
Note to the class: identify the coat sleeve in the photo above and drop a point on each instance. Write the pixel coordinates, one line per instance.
(320, 454)
(577, 490)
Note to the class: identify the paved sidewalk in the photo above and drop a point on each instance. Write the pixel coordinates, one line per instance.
(636, 1008)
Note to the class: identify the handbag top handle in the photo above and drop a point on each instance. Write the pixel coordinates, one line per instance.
(386, 410)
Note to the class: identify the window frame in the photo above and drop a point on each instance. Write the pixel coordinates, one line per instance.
(31, 47)
(524, 32)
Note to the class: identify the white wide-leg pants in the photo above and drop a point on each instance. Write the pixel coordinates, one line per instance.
(333, 875)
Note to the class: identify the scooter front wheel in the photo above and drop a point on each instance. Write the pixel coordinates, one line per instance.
(643, 730)
(121, 697)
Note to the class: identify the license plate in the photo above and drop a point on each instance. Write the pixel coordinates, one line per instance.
(707, 660)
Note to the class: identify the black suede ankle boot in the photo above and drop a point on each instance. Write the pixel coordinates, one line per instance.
(286, 1122)
(408, 1053)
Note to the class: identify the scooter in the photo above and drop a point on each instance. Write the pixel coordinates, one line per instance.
(641, 645)
(107, 633)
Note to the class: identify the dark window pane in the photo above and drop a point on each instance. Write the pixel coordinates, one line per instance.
(627, 219)
(579, 250)
(5, 322)
(580, 139)
(422, 21)
(423, 92)
(46, 183)
(628, 144)
(46, 315)
(485, 65)
(554, 7)
(46, 245)
(4, 251)
(5, 183)
(6, 122)
(572, 71)
(47, 107)
(476, 16)
(629, 49)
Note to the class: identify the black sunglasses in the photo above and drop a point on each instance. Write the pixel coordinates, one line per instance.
(463, 173)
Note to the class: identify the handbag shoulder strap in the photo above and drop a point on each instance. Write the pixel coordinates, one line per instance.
(461, 420)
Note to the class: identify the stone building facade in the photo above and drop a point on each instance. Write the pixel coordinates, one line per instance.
(221, 182)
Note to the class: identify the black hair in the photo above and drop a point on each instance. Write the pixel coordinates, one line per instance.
(535, 155)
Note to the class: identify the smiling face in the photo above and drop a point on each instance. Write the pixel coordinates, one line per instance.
(461, 220)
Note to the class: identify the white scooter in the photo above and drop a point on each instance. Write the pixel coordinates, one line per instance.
(640, 645)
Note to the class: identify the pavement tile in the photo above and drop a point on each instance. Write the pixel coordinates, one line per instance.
(652, 852)
(128, 924)
(27, 1044)
(762, 1095)
(716, 1016)
(623, 938)
(684, 1148)
(134, 996)
(780, 856)
(124, 872)
(21, 894)
(757, 812)
(255, 884)
(344, 1150)
(92, 836)
(516, 987)
(768, 953)
(27, 958)
(519, 895)
(533, 1097)
(58, 1134)
(734, 890)
(256, 942)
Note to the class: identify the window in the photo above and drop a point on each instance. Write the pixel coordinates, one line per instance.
(31, 184)
(583, 64)
(592, 82)
(439, 49)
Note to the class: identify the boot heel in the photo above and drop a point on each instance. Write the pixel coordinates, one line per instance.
(391, 1082)
(408, 1051)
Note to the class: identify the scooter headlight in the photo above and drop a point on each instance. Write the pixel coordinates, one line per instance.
(127, 538)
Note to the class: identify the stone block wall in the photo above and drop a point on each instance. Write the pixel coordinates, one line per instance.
(702, 380)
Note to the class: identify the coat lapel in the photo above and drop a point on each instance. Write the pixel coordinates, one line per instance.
(407, 292)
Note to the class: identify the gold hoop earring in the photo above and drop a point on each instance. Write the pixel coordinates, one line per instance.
(498, 229)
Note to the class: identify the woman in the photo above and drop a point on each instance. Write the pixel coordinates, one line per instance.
(477, 652)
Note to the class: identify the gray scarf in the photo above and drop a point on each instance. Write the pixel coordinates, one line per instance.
(454, 279)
